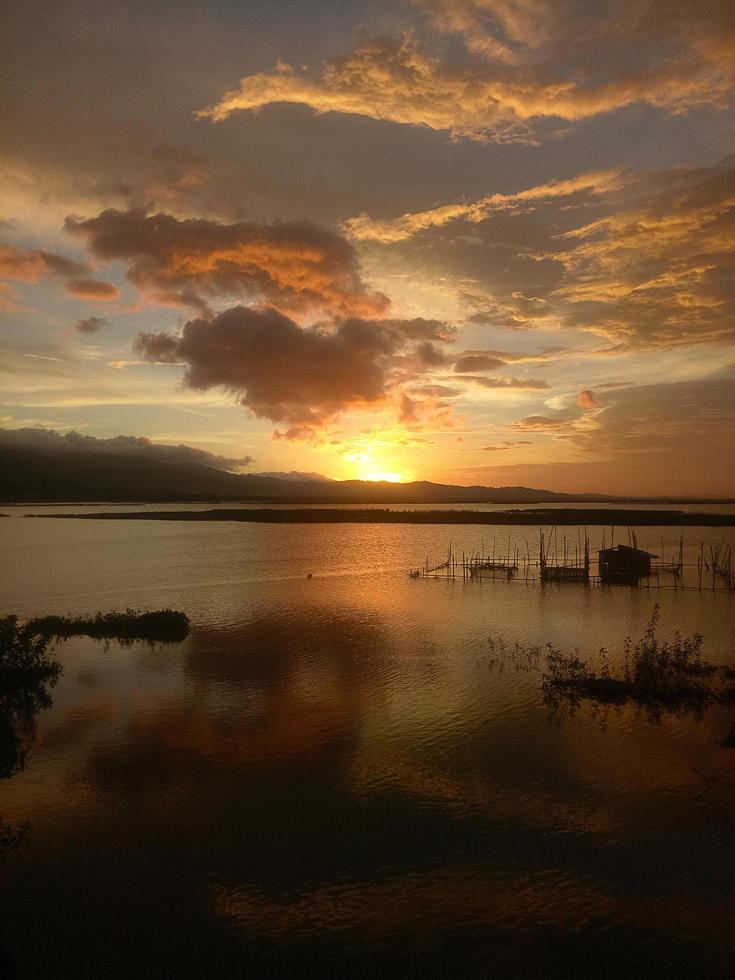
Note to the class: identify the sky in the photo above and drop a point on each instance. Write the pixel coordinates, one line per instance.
(471, 241)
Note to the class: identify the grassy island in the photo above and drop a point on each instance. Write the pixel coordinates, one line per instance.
(163, 625)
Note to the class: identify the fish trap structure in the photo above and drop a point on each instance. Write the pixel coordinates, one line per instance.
(473, 566)
(720, 563)
(563, 561)
(565, 568)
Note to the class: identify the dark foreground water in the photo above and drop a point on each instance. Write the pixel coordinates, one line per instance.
(336, 776)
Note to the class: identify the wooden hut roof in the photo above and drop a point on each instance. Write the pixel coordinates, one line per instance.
(626, 549)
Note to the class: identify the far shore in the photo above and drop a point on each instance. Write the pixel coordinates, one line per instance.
(611, 517)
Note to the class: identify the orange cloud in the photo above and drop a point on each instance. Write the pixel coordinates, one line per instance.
(30, 265)
(587, 399)
(533, 66)
(658, 273)
(24, 265)
(651, 267)
(296, 266)
(364, 228)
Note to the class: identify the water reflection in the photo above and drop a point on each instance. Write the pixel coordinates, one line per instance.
(340, 784)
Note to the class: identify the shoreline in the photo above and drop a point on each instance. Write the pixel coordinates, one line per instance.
(571, 517)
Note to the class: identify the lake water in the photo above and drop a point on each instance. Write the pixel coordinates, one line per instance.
(336, 776)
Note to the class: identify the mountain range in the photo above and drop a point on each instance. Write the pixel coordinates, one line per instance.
(45, 477)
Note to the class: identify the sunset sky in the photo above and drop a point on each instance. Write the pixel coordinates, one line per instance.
(471, 241)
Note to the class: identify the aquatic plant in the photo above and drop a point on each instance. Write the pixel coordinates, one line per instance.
(162, 625)
(518, 658)
(657, 675)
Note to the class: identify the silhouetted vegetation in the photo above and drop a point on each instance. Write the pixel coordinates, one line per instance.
(11, 837)
(27, 673)
(657, 675)
(163, 625)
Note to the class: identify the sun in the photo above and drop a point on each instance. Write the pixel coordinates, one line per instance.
(376, 457)
(385, 477)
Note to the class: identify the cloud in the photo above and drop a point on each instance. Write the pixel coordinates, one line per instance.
(406, 226)
(501, 30)
(388, 80)
(296, 266)
(91, 325)
(9, 299)
(525, 64)
(529, 384)
(680, 421)
(471, 363)
(587, 399)
(51, 441)
(660, 272)
(296, 476)
(651, 265)
(435, 391)
(655, 434)
(32, 265)
(506, 444)
(92, 289)
(541, 423)
(675, 438)
(300, 378)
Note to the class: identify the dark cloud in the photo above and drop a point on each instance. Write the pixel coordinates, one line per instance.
(298, 377)
(298, 267)
(91, 325)
(51, 441)
(541, 423)
(429, 356)
(92, 289)
(471, 363)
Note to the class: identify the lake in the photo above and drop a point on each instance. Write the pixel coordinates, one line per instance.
(341, 776)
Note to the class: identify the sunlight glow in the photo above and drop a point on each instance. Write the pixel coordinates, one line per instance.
(385, 477)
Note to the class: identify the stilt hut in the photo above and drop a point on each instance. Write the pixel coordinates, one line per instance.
(624, 564)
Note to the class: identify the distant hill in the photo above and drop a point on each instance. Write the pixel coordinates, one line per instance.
(30, 476)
